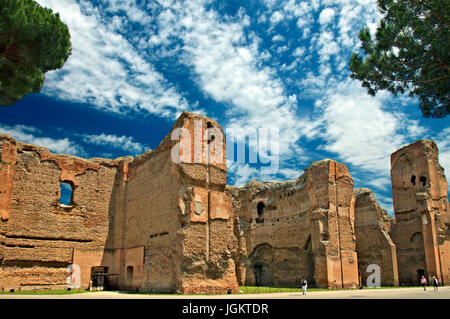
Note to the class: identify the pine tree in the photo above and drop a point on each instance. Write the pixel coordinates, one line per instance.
(33, 40)
(410, 53)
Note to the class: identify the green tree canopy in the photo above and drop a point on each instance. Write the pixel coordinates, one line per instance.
(33, 40)
(410, 53)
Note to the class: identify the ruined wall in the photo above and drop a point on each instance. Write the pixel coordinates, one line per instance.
(160, 220)
(421, 234)
(167, 220)
(206, 233)
(171, 227)
(298, 229)
(39, 236)
(373, 242)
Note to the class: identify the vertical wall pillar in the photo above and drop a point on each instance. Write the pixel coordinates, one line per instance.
(8, 157)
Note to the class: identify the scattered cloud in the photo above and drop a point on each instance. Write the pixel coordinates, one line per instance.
(106, 69)
(125, 143)
(442, 140)
(326, 16)
(32, 135)
(289, 71)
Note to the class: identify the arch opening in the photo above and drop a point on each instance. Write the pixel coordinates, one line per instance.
(260, 208)
(66, 193)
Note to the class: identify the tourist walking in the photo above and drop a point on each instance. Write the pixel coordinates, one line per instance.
(304, 286)
(435, 283)
(423, 282)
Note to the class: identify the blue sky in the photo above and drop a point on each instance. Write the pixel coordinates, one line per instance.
(136, 65)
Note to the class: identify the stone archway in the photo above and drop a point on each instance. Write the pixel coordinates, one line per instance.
(260, 272)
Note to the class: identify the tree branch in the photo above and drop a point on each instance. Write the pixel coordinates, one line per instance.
(433, 12)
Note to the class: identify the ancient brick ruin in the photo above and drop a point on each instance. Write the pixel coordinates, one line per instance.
(170, 223)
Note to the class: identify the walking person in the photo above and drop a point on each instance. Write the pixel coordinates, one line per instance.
(435, 283)
(423, 282)
(304, 286)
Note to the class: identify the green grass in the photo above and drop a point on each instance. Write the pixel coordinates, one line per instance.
(45, 292)
(244, 289)
(267, 290)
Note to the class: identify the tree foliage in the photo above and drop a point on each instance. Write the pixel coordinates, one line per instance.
(33, 40)
(410, 53)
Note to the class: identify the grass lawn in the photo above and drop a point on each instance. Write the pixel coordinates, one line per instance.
(45, 292)
(267, 290)
(244, 289)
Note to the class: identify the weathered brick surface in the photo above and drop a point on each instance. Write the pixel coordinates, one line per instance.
(373, 242)
(149, 221)
(8, 158)
(40, 234)
(166, 220)
(304, 230)
(422, 217)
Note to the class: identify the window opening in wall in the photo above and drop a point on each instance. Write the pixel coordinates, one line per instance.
(413, 180)
(260, 208)
(423, 180)
(66, 191)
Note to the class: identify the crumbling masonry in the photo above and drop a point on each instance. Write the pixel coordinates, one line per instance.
(160, 222)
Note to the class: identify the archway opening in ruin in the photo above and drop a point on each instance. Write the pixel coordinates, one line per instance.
(98, 274)
(66, 193)
(413, 180)
(257, 270)
(130, 274)
(260, 208)
(261, 266)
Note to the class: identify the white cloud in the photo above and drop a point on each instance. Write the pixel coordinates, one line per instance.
(243, 173)
(359, 129)
(300, 51)
(443, 143)
(229, 65)
(30, 135)
(276, 17)
(326, 16)
(228, 70)
(125, 143)
(277, 38)
(105, 69)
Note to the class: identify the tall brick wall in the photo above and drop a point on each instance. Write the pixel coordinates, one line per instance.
(176, 213)
(167, 220)
(373, 242)
(39, 235)
(8, 158)
(297, 229)
(421, 234)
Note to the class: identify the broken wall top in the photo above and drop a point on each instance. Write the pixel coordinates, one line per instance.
(313, 185)
(417, 165)
(367, 210)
